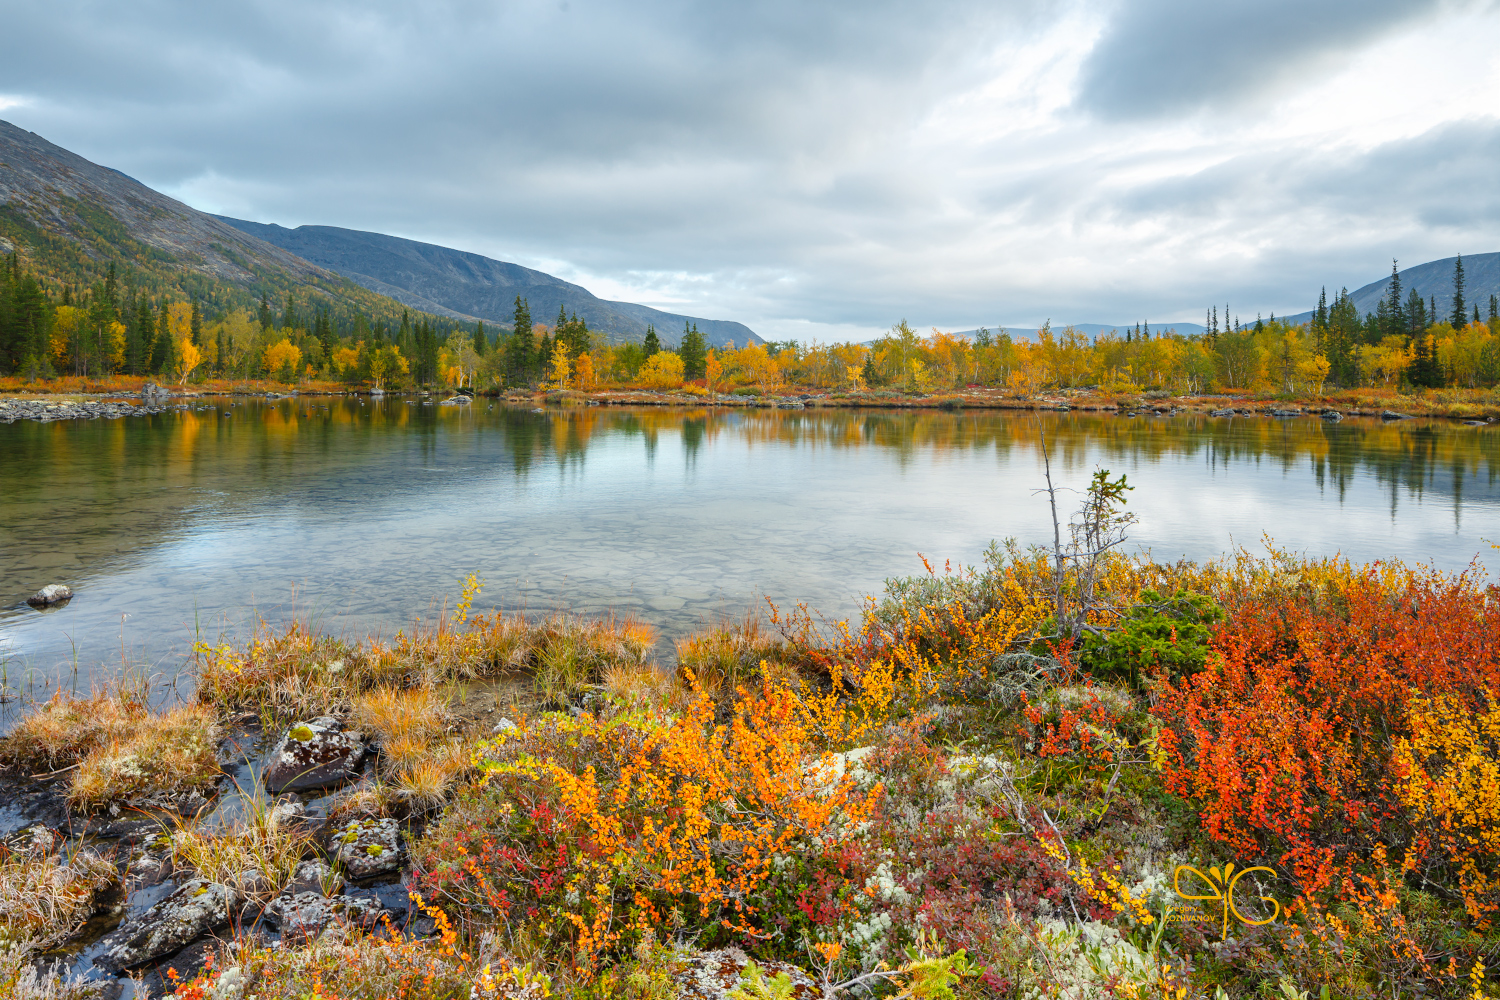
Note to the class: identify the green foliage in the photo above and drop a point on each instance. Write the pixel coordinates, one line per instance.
(1169, 633)
(753, 985)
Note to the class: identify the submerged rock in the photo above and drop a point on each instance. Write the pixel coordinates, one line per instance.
(314, 754)
(53, 593)
(195, 909)
(367, 847)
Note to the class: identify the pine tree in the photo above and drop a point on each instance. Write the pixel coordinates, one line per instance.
(265, 312)
(1476, 312)
(1460, 314)
(481, 342)
(161, 354)
(1393, 320)
(872, 377)
(518, 354)
(652, 343)
(1494, 308)
(694, 351)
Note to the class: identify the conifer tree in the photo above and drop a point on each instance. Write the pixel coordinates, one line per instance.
(265, 312)
(652, 343)
(1393, 320)
(694, 351)
(1494, 307)
(1459, 314)
(518, 354)
(481, 342)
(161, 353)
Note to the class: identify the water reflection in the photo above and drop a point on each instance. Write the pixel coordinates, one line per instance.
(365, 512)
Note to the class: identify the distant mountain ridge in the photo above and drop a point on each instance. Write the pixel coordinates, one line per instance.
(470, 286)
(73, 218)
(1432, 280)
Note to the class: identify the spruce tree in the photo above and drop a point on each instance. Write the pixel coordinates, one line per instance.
(518, 354)
(161, 354)
(1460, 315)
(481, 342)
(694, 351)
(265, 312)
(1393, 319)
(652, 343)
(1494, 308)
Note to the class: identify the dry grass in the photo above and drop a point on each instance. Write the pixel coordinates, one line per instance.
(20, 979)
(259, 856)
(65, 730)
(44, 897)
(172, 752)
(424, 783)
(728, 655)
(391, 715)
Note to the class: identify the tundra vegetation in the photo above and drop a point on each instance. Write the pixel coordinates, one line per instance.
(1064, 773)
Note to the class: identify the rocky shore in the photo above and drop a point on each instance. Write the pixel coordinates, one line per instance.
(45, 410)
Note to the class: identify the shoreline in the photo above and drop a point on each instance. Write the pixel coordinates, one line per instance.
(42, 404)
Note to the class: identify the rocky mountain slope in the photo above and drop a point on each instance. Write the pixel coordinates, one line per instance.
(71, 218)
(1432, 280)
(468, 285)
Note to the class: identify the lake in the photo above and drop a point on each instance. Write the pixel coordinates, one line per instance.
(365, 513)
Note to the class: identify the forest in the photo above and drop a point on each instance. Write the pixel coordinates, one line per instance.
(115, 328)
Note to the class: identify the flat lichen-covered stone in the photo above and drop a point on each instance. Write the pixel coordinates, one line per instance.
(313, 754)
(711, 975)
(367, 847)
(196, 908)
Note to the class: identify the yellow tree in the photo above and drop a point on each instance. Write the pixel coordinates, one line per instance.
(663, 370)
(283, 357)
(1314, 372)
(560, 366)
(584, 373)
(188, 357)
(713, 371)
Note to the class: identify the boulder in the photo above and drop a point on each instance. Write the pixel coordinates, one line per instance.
(367, 847)
(713, 975)
(306, 914)
(1393, 415)
(53, 593)
(195, 909)
(313, 754)
(1332, 416)
(1222, 413)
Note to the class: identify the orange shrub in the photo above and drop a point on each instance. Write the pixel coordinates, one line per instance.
(1287, 740)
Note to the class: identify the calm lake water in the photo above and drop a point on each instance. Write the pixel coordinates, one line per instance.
(364, 514)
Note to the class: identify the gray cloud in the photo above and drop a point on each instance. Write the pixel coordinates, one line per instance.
(772, 162)
(1173, 56)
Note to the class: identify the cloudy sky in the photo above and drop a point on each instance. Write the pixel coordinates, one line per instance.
(816, 170)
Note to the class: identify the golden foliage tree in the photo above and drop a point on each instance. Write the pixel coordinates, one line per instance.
(283, 356)
(188, 357)
(663, 370)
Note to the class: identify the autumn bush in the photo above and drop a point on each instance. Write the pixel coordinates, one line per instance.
(603, 830)
(1326, 712)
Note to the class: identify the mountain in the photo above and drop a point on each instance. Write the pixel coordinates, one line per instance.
(469, 286)
(1433, 279)
(1092, 329)
(70, 219)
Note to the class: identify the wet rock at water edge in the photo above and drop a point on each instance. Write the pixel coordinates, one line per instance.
(367, 847)
(1222, 413)
(195, 909)
(1393, 415)
(53, 593)
(1332, 416)
(314, 754)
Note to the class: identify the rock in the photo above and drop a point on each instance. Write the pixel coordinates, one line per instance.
(195, 909)
(315, 876)
(1475, 423)
(711, 975)
(313, 754)
(306, 914)
(53, 593)
(1221, 413)
(1393, 415)
(505, 725)
(1332, 416)
(367, 847)
(1285, 413)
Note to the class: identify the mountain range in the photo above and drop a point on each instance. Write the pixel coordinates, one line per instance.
(1432, 280)
(72, 218)
(468, 286)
